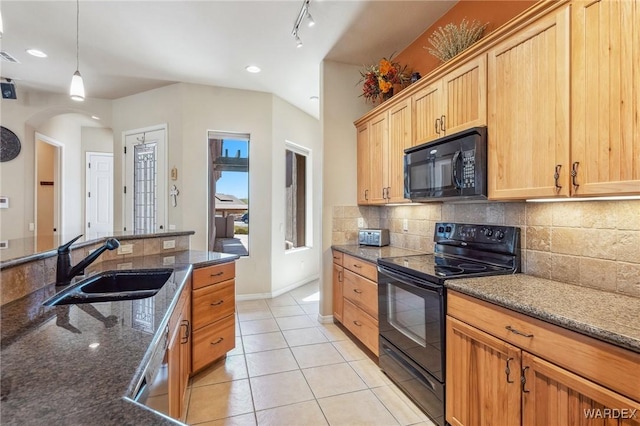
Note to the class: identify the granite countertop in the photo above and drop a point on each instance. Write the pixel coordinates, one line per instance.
(23, 250)
(371, 253)
(81, 364)
(605, 316)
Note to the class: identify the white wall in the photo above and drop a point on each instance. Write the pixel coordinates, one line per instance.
(340, 107)
(294, 267)
(25, 116)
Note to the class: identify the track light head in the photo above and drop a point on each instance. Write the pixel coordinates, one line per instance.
(310, 21)
(298, 42)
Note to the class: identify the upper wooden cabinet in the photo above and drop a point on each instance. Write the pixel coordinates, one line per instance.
(528, 98)
(364, 164)
(452, 103)
(605, 103)
(399, 140)
(378, 149)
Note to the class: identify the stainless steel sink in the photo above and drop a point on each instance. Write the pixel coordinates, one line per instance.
(113, 286)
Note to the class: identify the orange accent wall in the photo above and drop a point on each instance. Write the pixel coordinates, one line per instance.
(497, 13)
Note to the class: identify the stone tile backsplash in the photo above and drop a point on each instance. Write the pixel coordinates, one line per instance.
(591, 243)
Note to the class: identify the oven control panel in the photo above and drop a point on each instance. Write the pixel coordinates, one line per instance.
(466, 234)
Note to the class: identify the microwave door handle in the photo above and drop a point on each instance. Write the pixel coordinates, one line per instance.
(454, 170)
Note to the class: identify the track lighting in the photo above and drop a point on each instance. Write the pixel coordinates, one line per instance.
(304, 13)
(77, 86)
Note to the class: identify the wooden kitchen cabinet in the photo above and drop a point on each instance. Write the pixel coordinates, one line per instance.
(399, 140)
(179, 355)
(528, 106)
(338, 277)
(605, 94)
(453, 103)
(213, 319)
(378, 151)
(506, 368)
(364, 164)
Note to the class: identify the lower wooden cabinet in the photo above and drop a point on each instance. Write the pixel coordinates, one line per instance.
(338, 303)
(179, 355)
(490, 381)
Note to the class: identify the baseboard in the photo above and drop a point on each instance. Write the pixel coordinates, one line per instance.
(325, 319)
(257, 296)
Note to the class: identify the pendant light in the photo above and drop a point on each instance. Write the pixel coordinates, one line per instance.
(77, 86)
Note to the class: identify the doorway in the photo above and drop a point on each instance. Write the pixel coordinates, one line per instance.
(48, 192)
(99, 197)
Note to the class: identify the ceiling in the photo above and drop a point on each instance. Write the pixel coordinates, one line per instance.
(128, 47)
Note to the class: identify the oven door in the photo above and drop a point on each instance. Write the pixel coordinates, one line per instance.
(411, 315)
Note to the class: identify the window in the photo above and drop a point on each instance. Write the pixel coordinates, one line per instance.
(298, 205)
(229, 193)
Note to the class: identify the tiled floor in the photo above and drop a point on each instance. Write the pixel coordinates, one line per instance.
(289, 369)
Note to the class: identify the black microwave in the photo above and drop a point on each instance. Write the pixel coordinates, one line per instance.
(450, 168)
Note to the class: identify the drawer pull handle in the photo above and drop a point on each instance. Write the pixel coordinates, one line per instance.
(358, 323)
(339, 276)
(185, 339)
(507, 370)
(357, 290)
(355, 265)
(217, 341)
(217, 274)
(523, 379)
(514, 331)
(219, 302)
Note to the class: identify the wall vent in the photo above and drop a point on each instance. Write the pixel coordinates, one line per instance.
(8, 57)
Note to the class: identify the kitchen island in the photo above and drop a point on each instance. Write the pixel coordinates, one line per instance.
(83, 364)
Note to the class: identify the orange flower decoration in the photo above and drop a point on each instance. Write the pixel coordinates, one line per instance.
(379, 79)
(385, 66)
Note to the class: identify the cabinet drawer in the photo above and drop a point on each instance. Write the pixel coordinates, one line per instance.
(601, 362)
(212, 342)
(213, 274)
(366, 269)
(361, 325)
(212, 303)
(337, 257)
(361, 292)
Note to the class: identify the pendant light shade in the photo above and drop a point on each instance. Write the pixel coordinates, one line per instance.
(77, 87)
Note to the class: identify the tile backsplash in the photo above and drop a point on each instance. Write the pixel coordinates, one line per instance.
(590, 243)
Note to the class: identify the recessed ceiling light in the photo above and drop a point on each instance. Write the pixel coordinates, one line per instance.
(95, 117)
(253, 69)
(313, 98)
(37, 53)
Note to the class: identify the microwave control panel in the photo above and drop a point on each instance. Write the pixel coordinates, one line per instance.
(469, 168)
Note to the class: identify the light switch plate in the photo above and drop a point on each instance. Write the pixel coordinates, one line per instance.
(360, 222)
(4, 202)
(168, 260)
(169, 244)
(405, 224)
(4, 244)
(125, 249)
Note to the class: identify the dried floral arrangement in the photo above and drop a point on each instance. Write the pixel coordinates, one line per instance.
(378, 79)
(447, 42)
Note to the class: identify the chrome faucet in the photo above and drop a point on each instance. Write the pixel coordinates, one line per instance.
(64, 271)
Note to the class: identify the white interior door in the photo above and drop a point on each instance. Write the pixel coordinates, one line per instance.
(145, 195)
(99, 185)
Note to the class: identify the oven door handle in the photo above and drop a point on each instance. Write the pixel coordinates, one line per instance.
(411, 281)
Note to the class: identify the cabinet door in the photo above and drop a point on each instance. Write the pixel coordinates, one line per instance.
(465, 96)
(185, 357)
(399, 140)
(378, 146)
(528, 121)
(364, 164)
(552, 395)
(482, 378)
(178, 355)
(338, 277)
(426, 108)
(605, 131)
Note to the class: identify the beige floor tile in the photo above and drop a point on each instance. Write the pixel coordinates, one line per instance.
(258, 326)
(159, 403)
(370, 373)
(307, 293)
(263, 342)
(237, 330)
(356, 408)
(255, 315)
(287, 311)
(332, 332)
(304, 336)
(280, 389)
(282, 300)
(243, 420)
(399, 405)
(269, 362)
(316, 355)
(224, 370)
(251, 305)
(239, 349)
(310, 308)
(297, 321)
(219, 401)
(334, 379)
(349, 350)
(303, 413)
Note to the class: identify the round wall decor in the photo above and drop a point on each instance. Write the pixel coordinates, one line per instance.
(9, 145)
